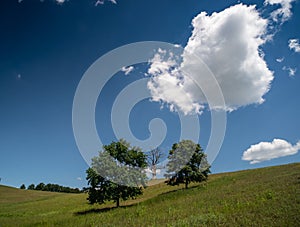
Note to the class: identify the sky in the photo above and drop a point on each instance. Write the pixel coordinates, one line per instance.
(250, 48)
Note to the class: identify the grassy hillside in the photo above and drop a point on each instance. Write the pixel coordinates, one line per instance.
(260, 197)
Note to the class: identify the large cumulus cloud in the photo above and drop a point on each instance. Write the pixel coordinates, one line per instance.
(229, 43)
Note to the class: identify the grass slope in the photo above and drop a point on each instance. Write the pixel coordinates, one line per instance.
(260, 197)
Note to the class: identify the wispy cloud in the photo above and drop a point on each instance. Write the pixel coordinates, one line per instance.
(244, 77)
(98, 2)
(283, 13)
(264, 151)
(79, 178)
(101, 2)
(294, 45)
(291, 71)
(60, 1)
(127, 70)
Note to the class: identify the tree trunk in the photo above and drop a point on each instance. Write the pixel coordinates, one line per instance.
(186, 184)
(154, 172)
(118, 202)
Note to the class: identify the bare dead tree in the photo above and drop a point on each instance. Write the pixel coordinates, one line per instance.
(153, 158)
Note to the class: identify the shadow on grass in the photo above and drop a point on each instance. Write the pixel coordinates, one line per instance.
(181, 189)
(107, 209)
(102, 210)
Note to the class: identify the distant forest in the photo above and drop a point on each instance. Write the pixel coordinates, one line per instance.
(51, 188)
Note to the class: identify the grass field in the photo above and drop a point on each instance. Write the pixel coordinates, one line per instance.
(259, 197)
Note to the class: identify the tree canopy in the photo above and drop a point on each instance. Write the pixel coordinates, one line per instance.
(187, 163)
(53, 188)
(116, 173)
(31, 187)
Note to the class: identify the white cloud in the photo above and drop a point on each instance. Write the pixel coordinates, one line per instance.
(127, 70)
(149, 172)
(228, 42)
(292, 71)
(280, 59)
(264, 151)
(79, 178)
(99, 2)
(294, 45)
(162, 62)
(284, 12)
(167, 85)
(60, 1)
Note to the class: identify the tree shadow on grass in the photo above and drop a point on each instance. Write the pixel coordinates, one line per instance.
(101, 210)
(107, 209)
(178, 188)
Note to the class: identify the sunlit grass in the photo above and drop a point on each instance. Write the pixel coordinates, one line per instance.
(260, 197)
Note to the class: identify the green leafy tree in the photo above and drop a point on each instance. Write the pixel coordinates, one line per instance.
(40, 186)
(116, 173)
(31, 187)
(22, 186)
(187, 163)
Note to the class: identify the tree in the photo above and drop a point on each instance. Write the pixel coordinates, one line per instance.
(31, 187)
(187, 163)
(117, 173)
(23, 186)
(40, 186)
(153, 158)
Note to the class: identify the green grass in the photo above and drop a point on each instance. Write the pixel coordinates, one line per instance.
(260, 197)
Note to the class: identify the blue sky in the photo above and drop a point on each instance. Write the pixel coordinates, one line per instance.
(46, 48)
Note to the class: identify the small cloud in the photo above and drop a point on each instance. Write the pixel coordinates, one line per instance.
(79, 178)
(280, 59)
(127, 70)
(99, 2)
(294, 45)
(292, 71)
(19, 77)
(149, 172)
(57, 1)
(265, 151)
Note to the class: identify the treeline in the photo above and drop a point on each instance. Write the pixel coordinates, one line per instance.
(51, 188)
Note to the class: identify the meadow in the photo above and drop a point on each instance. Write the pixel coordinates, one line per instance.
(259, 197)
